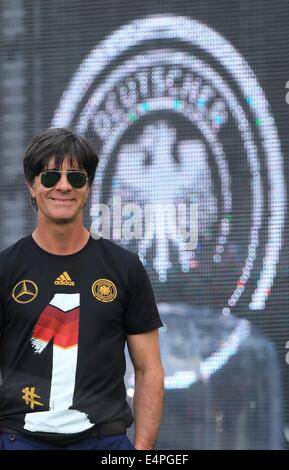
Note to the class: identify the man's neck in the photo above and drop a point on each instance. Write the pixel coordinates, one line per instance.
(61, 240)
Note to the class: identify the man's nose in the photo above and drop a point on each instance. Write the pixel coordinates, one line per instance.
(63, 183)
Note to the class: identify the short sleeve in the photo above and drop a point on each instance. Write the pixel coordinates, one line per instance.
(141, 313)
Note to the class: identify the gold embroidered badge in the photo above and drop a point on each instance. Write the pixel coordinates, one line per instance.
(104, 290)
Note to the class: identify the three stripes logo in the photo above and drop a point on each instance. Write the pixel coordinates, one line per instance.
(64, 280)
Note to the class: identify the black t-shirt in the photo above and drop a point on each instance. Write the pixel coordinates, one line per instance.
(63, 325)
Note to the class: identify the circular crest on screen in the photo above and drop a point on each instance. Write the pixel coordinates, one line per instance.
(179, 115)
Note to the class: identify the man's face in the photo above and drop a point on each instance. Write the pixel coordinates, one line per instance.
(62, 203)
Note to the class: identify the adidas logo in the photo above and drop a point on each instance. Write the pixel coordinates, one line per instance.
(64, 280)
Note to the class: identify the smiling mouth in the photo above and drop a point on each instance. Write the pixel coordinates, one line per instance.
(61, 200)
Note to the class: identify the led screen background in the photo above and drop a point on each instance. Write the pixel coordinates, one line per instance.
(189, 130)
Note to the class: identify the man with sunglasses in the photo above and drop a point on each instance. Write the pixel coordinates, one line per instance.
(68, 304)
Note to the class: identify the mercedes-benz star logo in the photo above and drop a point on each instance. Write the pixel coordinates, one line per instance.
(24, 291)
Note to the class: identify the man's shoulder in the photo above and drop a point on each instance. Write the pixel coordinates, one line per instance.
(12, 251)
(117, 252)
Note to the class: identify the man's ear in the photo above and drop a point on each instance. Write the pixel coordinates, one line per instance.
(31, 188)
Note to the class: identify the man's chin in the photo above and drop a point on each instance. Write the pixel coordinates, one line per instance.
(63, 220)
(63, 217)
(68, 220)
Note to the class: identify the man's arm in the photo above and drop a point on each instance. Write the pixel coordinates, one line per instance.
(148, 400)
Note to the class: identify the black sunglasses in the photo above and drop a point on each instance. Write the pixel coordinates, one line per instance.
(76, 178)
